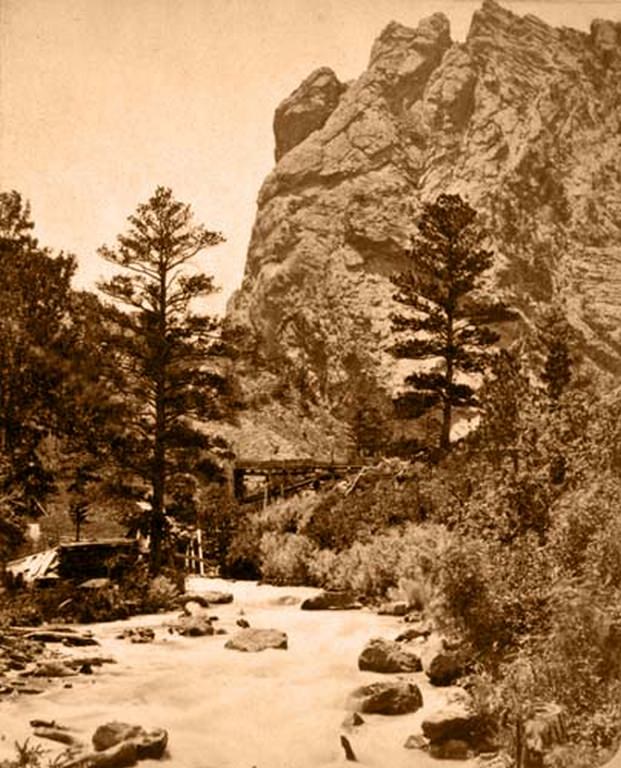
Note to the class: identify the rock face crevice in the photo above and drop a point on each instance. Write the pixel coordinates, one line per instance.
(522, 119)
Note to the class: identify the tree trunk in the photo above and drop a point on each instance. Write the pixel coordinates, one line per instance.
(445, 435)
(158, 478)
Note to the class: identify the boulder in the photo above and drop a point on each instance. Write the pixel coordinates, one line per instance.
(286, 600)
(422, 629)
(182, 600)
(453, 749)
(91, 661)
(387, 656)
(394, 608)
(138, 635)
(148, 744)
(395, 697)
(194, 626)
(445, 668)
(331, 601)
(416, 741)
(253, 640)
(351, 721)
(214, 597)
(452, 722)
(53, 668)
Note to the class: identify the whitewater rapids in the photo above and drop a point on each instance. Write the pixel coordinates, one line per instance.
(226, 709)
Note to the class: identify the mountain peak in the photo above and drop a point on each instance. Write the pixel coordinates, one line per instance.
(397, 41)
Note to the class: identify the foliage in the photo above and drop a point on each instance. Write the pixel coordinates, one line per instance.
(34, 300)
(133, 592)
(556, 335)
(531, 579)
(27, 756)
(379, 498)
(286, 558)
(443, 321)
(164, 349)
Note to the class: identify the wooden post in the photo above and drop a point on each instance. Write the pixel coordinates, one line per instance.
(199, 546)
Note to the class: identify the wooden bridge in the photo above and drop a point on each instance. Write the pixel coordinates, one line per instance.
(282, 478)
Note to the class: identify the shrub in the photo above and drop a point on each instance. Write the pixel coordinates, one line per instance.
(496, 594)
(380, 565)
(286, 557)
(385, 498)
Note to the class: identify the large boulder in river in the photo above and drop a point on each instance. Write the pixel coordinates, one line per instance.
(395, 697)
(149, 745)
(253, 640)
(445, 668)
(336, 600)
(194, 626)
(387, 656)
(454, 722)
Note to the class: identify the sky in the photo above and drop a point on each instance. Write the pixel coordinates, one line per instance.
(103, 100)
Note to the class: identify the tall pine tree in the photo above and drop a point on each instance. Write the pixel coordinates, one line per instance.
(164, 348)
(444, 323)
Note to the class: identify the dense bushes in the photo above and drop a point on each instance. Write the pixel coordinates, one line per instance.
(347, 537)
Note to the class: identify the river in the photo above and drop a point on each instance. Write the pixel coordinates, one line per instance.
(226, 709)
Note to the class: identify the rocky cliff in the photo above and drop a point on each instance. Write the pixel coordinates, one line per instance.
(522, 119)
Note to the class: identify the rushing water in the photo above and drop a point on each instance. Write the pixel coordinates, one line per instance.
(226, 709)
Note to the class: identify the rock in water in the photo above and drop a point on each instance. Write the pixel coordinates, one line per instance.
(453, 722)
(387, 656)
(194, 626)
(445, 668)
(394, 608)
(213, 597)
(254, 640)
(349, 752)
(53, 668)
(148, 744)
(331, 601)
(396, 697)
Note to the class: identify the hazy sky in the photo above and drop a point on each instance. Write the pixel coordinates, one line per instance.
(102, 100)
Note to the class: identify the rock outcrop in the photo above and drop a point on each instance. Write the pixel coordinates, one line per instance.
(521, 119)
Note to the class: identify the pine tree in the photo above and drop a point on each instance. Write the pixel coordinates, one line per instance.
(444, 322)
(164, 348)
(35, 295)
(555, 333)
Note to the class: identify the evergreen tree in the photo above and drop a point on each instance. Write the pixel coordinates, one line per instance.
(555, 333)
(163, 349)
(35, 295)
(444, 322)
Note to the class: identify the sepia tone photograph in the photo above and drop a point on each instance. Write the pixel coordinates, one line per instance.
(310, 383)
